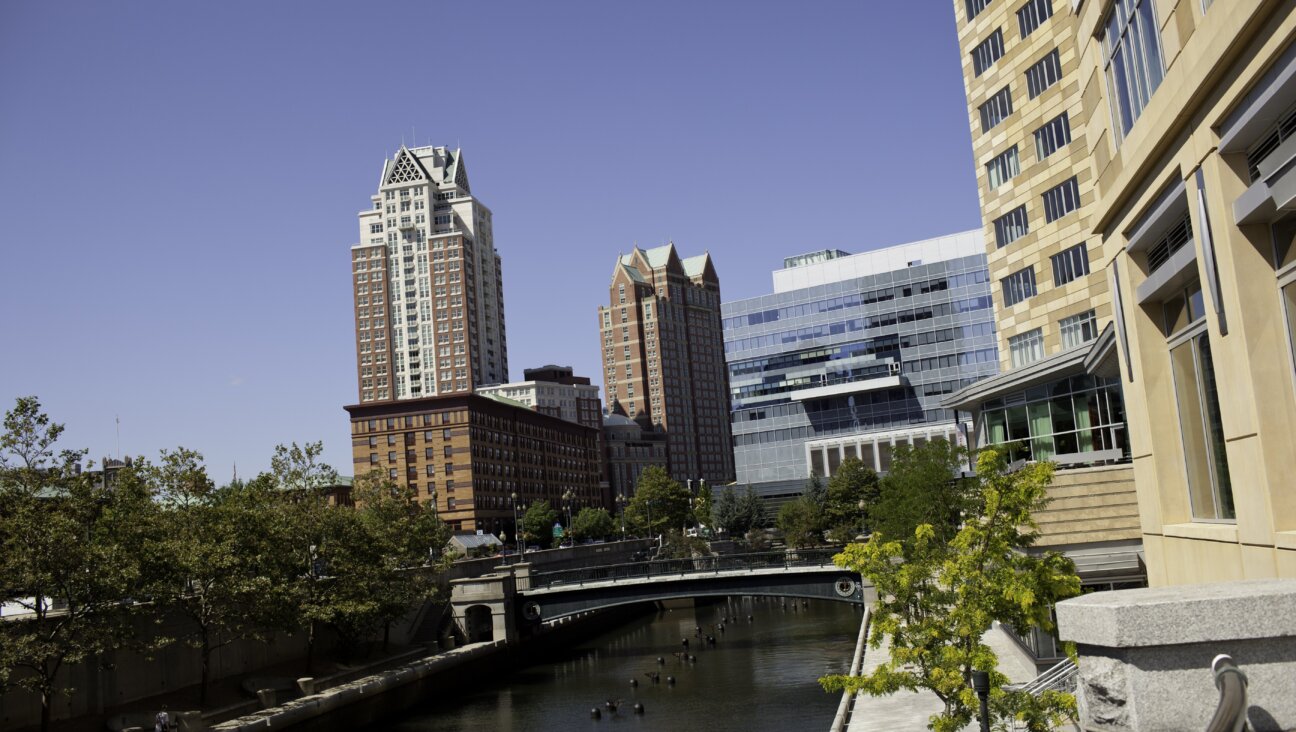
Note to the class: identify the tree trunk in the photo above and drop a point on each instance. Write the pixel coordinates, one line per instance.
(46, 701)
(206, 670)
(310, 647)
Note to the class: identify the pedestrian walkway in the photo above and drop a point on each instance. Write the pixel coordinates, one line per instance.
(910, 710)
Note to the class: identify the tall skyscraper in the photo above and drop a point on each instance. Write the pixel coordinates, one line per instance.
(429, 306)
(663, 357)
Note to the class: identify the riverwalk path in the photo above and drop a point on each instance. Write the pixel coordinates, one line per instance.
(910, 710)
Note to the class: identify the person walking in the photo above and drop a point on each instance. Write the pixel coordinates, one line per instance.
(162, 723)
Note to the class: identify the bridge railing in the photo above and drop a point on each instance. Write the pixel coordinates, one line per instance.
(691, 566)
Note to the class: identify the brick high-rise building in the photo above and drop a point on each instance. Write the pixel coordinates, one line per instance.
(663, 357)
(429, 306)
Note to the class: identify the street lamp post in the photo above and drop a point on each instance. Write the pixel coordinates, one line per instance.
(863, 507)
(621, 503)
(568, 497)
(517, 529)
(684, 528)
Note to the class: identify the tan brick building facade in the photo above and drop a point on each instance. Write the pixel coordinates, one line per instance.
(1181, 116)
(1192, 113)
(1058, 396)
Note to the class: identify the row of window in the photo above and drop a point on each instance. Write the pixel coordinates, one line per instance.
(859, 324)
(1068, 265)
(1026, 348)
(1029, 17)
(1048, 139)
(855, 299)
(1058, 201)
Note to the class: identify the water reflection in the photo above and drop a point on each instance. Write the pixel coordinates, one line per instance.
(759, 675)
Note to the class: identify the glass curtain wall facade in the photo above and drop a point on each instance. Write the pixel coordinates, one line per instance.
(861, 343)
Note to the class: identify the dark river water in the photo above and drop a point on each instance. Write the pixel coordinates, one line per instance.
(759, 675)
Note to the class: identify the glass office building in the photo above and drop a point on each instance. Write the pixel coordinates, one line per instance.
(850, 348)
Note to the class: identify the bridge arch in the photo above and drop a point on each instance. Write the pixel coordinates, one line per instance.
(479, 624)
(556, 601)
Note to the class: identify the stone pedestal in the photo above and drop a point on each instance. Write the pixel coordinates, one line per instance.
(1145, 655)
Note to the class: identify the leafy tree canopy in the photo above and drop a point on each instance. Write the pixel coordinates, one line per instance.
(852, 483)
(660, 499)
(936, 604)
(592, 523)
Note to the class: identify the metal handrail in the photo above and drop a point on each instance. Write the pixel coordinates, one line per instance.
(1231, 714)
(680, 567)
(1061, 677)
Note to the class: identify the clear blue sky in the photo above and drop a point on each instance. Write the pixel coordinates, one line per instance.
(179, 181)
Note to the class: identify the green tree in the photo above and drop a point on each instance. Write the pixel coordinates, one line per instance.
(392, 552)
(304, 528)
(70, 555)
(703, 506)
(800, 521)
(923, 487)
(816, 492)
(753, 511)
(936, 604)
(727, 516)
(592, 523)
(660, 498)
(850, 484)
(538, 521)
(214, 548)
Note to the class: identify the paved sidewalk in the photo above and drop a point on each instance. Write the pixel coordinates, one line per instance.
(909, 710)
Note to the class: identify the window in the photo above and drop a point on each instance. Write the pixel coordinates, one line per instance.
(1011, 226)
(1289, 303)
(1080, 414)
(1003, 168)
(1070, 264)
(1078, 329)
(974, 7)
(1026, 348)
(1054, 135)
(1132, 60)
(996, 109)
(1032, 14)
(1018, 286)
(1061, 200)
(1210, 491)
(1043, 73)
(989, 51)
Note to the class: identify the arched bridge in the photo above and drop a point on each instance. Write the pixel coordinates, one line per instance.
(793, 573)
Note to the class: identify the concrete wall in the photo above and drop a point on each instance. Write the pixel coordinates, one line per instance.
(124, 676)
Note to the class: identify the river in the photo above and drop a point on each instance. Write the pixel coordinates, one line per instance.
(760, 675)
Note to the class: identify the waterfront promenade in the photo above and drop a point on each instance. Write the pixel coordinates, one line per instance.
(909, 710)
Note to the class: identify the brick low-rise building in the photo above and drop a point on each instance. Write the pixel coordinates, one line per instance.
(477, 456)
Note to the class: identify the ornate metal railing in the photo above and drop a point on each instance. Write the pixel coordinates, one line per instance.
(679, 567)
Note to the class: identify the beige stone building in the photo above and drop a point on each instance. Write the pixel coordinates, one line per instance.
(1181, 115)
(1058, 396)
(1192, 109)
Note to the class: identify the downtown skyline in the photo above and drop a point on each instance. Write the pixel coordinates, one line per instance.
(196, 291)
